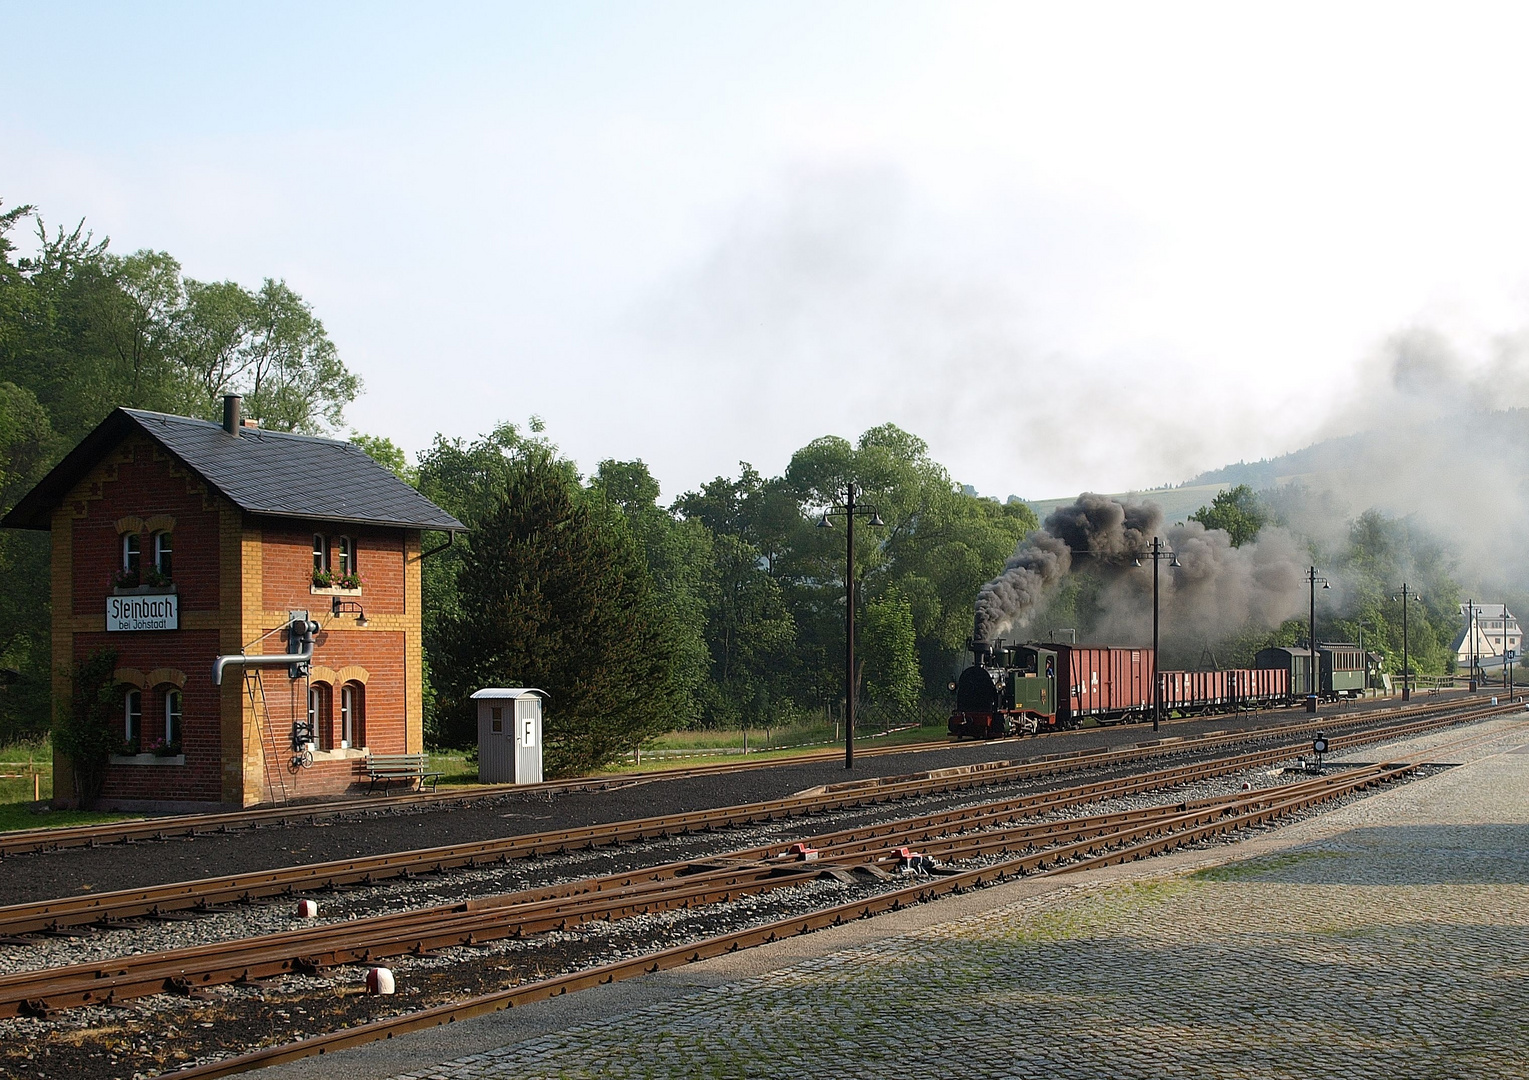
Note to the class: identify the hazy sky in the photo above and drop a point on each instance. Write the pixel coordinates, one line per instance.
(1072, 246)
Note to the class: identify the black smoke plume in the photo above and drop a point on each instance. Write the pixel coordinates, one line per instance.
(1212, 591)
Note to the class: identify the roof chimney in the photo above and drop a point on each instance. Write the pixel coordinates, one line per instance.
(231, 421)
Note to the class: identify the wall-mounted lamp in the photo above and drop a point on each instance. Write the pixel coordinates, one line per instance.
(337, 606)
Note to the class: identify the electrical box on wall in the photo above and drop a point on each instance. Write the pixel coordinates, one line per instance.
(510, 735)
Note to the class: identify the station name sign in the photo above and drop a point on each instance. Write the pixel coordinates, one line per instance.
(160, 612)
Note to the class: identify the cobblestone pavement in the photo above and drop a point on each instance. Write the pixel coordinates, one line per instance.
(1388, 939)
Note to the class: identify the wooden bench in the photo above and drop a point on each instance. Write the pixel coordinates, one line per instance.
(384, 769)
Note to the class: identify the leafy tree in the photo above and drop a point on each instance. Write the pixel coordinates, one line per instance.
(560, 601)
(678, 554)
(1237, 512)
(891, 659)
(384, 451)
(750, 636)
(27, 445)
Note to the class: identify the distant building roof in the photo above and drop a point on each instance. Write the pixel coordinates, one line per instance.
(1487, 611)
(271, 473)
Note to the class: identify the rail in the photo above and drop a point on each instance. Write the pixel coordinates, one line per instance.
(1174, 827)
(152, 901)
(32, 841)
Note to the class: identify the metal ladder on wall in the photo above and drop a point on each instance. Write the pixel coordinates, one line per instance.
(254, 686)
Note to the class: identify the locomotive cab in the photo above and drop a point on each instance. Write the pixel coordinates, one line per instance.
(1010, 689)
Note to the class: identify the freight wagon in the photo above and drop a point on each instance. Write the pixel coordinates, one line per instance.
(1027, 688)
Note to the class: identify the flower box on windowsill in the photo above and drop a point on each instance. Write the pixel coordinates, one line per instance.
(333, 590)
(144, 590)
(147, 759)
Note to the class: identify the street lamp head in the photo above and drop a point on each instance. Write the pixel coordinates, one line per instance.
(824, 523)
(876, 521)
(1135, 562)
(1175, 561)
(1325, 585)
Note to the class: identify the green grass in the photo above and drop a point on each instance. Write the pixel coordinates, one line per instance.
(454, 767)
(24, 815)
(18, 811)
(26, 758)
(684, 749)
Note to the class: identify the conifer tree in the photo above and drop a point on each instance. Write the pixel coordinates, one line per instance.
(555, 595)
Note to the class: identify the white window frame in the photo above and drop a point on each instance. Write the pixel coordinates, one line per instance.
(132, 715)
(320, 552)
(347, 550)
(164, 552)
(316, 730)
(174, 714)
(132, 553)
(347, 716)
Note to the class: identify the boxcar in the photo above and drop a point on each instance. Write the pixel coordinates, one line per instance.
(1104, 682)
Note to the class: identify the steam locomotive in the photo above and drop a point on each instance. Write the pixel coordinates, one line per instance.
(1023, 689)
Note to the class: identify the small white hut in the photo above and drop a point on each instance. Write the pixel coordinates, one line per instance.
(510, 735)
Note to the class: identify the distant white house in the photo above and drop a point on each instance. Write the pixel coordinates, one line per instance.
(1487, 632)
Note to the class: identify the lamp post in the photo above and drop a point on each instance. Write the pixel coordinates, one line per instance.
(1406, 670)
(849, 510)
(1470, 629)
(1508, 655)
(1158, 553)
(1314, 579)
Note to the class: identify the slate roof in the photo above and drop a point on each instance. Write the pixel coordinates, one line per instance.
(270, 473)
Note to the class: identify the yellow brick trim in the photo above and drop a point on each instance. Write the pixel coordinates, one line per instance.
(347, 622)
(159, 523)
(190, 620)
(165, 675)
(129, 524)
(414, 699)
(233, 703)
(255, 734)
(102, 473)
(128, 676)
(352, 673)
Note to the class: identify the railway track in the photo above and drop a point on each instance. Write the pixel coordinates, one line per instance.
(1067, 847)
(963, 835)
(960, 835)
(110, 908)
(30, 841)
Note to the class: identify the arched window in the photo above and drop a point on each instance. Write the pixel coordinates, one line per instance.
(131, 553)
(318, 716)
(320, 553)
(347, 575)
(352, 715)
(163, 551)
(172, 716)
(132, 716)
